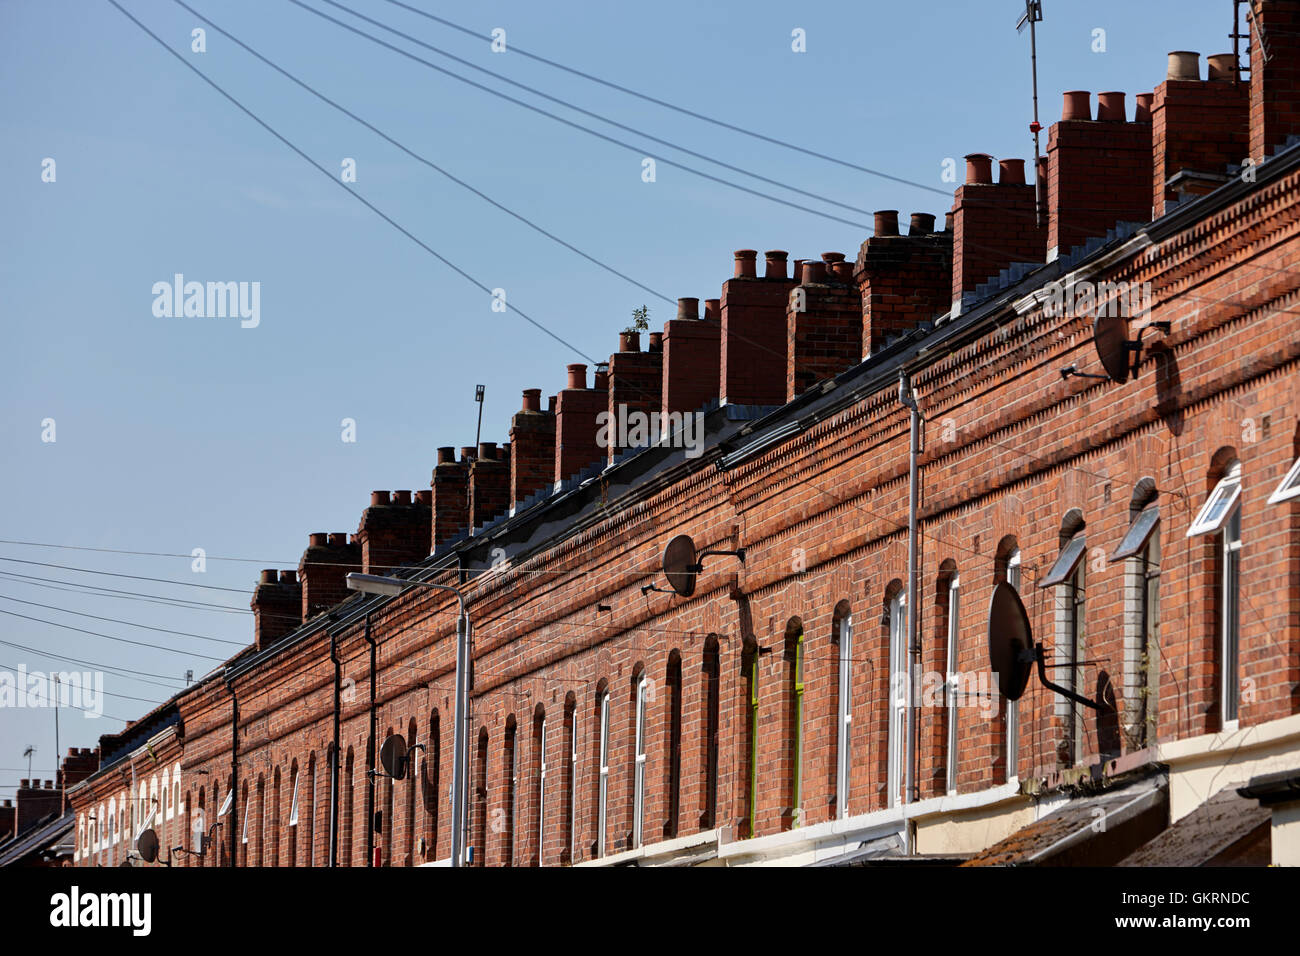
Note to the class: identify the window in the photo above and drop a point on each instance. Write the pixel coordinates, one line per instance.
(512, 787)
(573, 783)
(1140, 549)
(1066, 574)
(751, 743)
(479, 815)
(954, 619)
(602, 801)
(712, 705)
(1221, 515)
(1290, 486)
(673, 745)
(844, 742)
(898, 693)
(1013, 706)
(638, 791)
(795, 638)
(293, 808)
(541, 785)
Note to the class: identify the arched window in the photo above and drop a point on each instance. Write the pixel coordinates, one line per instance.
(273, 858)
(349, 811)
(294, 812)
(673, 744)
(896, 622)
(413, 773)
(246, 808)
(640, 691)
(386, 820)
(1139, 549)
(259, 837)
(430, 781)
(602, 765)
(712, 671)
(1066, 577)
(793, 653)
(539, 788)
(510, 761)
(571, 778)
(309, 807)
(948, 601)
(1007, 567)
(480, 798)
(1220, 519)
(842, 637)
(749, 664)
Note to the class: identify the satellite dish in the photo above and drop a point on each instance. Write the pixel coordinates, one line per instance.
(392, 755)
(1110, 336)
(1011, 641)
(147, 844)
(680, 564)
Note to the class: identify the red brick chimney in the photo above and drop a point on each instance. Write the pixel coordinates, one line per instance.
(636, 382)
(450, 486)
(532, 448)
(823, 323)
(692, 358)
(1274, 74)
(489, 484)
(576, 408)
(754, 333)
(277, 607)
(33, 802)
(1198, 128)
(903, 280)
(82, 763)
(324, 566)
(7, 817)
(994, 225)
(1100, 171)
(394, 530)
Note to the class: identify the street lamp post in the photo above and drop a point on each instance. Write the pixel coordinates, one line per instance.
(391, 587)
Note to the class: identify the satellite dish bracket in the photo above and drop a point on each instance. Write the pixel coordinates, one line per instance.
(1040, 657)
(698, 566)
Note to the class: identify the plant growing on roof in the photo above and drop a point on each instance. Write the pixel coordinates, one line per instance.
(640, 320)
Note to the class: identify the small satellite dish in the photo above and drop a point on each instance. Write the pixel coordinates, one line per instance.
(147, 844)
(1011, 641)
(392, 755)
(1110, 336)
(680, 564)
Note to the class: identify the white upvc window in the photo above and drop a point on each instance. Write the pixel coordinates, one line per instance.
(603, 798)
(1290, 486)
(541, 789)
(227, 803)
(1013, 706)
(293, 806)
(954, 608)
(248, 811)
(638, 796)
(843, 757)
(514, 791)
(573, 787)
(898, 697)
(1221, 516)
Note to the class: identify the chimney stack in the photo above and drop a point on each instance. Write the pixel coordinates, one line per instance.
(277, 607)
(903, 280)
(635, 384)
(324, 566)
(994, 226)
(692, 359)
(449, 513)
(1274, 74)
(532, 449)
(576, 408)
(823, 322)
(394, 531)
(489, 484)
(754, 331)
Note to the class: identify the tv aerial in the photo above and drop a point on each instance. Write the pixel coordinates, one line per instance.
(1013, 653)
(681, 564)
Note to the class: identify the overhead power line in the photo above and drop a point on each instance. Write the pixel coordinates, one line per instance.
(110, 637)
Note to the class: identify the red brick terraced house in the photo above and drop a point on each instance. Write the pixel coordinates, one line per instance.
(1097, 414)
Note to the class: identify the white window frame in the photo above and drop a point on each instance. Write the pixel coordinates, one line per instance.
(603, 801)
(844, 756)
(897, 693)
(1014, 565)
(293, 806)
(541, 790)
(954, 626)
(1230, 620)
(573, 788)
(248, 812)
(227, 803)
(1227, 491)
(638, 794)
(1289, 487)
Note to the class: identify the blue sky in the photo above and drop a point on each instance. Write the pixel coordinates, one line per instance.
(181, 433)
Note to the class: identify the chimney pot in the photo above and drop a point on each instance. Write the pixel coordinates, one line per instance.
(269, 576)
(629, 341)
(1142, 111)
(401, 497)
(947, 220)
(466, 453)
(656, 342)
(830, 258)
(447, 454)
(776, 263)
(1011, 172)
(487, 451)
(713, 308)
(600, 381)
(577, 376)
(1184, 65)
(288, 577)
(842, 270)
(424, 497)
(1078, 105)
(1110, 107)
(922, 224)
(886, 222)
(688, 308)
(318, 539)
(532, 400)
(550, 404)
(746, 263)
(979, 168)
(378, 499)
(1222, 66)
(814, 271)
(338, 539)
